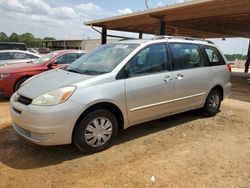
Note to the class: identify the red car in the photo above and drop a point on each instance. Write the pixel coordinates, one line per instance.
(13, 75)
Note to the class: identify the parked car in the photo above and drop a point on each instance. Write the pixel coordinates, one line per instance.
(44, 50)
(14, 56)
(119, 85)
(13, 75)
(13, 46)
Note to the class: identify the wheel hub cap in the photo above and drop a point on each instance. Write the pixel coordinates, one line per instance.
(98, 132)
(214, 102)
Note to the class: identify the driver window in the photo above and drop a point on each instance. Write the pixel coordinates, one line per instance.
(152, 59)
(67, 58)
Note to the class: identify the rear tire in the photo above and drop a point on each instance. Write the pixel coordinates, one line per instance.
(212, 104)
(19, 83)
(95, 131)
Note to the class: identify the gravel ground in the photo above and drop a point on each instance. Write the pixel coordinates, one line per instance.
(185, 150)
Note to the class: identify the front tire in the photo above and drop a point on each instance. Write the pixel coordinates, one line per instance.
(96, 131)
(212, 104)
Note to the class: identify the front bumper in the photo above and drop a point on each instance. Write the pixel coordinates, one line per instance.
(45, 125)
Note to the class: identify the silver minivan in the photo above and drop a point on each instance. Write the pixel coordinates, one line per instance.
(119, 85)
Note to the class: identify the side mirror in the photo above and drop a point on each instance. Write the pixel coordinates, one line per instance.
(52, 64)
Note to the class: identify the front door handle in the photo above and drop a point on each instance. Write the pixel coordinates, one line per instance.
(168, 78)
(179, 76)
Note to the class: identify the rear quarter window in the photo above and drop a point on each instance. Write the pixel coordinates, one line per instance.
(214, 56)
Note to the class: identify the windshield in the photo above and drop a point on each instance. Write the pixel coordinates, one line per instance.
(45, 58)
(102, 59)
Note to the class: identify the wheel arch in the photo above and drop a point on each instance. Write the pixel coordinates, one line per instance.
(20, 78)
(102, 105)
(220, 89)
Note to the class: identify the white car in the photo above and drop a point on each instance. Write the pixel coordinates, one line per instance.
(14, 56)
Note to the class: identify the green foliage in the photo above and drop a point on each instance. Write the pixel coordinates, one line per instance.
(13, 38)
(233, 57)
(49, 38)
(27, 38)
(3, 37)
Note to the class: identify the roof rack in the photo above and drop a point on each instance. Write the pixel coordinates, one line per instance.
(181, 37)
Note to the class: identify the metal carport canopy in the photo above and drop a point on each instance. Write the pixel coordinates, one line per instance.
(198, 18)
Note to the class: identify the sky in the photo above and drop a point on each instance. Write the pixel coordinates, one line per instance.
(63, 19)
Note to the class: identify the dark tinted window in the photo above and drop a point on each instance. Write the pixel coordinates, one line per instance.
(152, 59)
(67, 58)
(186, 56)
(214, 56)
(5, 56)
(12, 46)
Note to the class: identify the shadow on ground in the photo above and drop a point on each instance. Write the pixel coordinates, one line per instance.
(4, 99)
(18, 153)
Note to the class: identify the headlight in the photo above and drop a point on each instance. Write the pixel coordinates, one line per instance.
(4, 75)
(54, 97)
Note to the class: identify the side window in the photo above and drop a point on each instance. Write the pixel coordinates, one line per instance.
(67, 58)
(186, 56)
(214, 56)
(5, 56)
(152, 59)
(18, 55)
(29, 56)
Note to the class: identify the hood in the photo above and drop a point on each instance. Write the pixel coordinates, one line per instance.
(50, 80)
(16, 66)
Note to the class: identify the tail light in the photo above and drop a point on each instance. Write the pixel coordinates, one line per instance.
(229, 67)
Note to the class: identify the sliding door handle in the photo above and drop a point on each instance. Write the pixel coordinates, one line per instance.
(179, 76)
(168, 78)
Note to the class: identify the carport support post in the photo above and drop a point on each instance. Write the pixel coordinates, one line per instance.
(162, 26)
(140, 35)
(104, 35)
(248, 59)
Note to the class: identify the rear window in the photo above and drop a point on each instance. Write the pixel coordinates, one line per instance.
(214, 56)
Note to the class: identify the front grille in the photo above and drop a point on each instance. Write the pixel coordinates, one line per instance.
(32, 135)
(22, 131)
(24, 100)
(16, 110)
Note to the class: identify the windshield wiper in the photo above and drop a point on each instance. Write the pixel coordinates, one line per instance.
(90, 72)
(72, 70)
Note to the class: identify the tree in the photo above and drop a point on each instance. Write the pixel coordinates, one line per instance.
(13, 38)
(27, 38)
(49, 38)
(3, 37)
